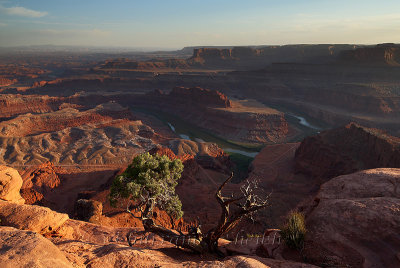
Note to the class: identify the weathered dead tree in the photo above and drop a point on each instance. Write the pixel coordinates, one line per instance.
(246, 205)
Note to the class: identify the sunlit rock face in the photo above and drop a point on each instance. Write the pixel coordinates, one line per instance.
(10, 185)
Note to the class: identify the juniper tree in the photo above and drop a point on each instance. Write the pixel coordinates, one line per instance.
(147, 183)
(150, 182)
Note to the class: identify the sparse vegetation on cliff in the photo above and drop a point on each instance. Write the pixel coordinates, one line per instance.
(294, 231)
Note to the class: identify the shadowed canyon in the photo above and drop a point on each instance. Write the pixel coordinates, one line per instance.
(317, 126)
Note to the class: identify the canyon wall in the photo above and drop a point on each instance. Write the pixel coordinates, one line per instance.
(345, 150)
(213, 111)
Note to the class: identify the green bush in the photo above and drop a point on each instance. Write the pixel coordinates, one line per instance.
(149, 182)
(294, 231)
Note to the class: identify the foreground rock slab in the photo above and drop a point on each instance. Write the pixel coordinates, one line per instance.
(82, 244)
(28, 249)
(83, 254)
(356, 221)
(28, 217)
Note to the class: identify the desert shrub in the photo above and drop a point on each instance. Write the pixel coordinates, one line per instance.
(294, 231)
(248, 235)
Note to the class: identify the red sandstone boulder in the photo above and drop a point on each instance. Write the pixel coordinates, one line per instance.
(88, 210)
(82, 244)
(27, 217)
(355, 221)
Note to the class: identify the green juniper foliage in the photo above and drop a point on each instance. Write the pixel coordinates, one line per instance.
(150, 181)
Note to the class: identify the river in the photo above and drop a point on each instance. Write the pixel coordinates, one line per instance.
(304, 122)
(249, 154)
(186, 137)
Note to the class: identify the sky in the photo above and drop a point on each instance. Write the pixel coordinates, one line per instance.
(173, 24)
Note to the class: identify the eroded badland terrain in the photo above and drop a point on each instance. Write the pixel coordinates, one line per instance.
(317, 125)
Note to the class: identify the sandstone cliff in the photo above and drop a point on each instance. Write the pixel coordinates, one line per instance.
(384, 54)
(345, 150)
(260, 57)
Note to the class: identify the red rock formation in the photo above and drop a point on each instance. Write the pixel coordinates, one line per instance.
(208, 155)
(10, 184)
(69, 86)
(274, 167)
(346, 150)
(214, 111)
(6, 81)
(39, 181)
(199, 97)
(355, 221)
(29, 124)
(39, 84)
(81, 244)
(44, 176)
(145, 65)
(13, 105)
(166, 151)
(205, 108)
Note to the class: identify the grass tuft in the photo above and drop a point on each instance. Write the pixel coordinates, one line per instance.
(294, 231)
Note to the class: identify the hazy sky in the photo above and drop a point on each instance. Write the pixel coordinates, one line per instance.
(179, 23)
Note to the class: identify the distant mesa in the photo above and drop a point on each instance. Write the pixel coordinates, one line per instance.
(232, 58)
(383, 54)
(144, 65)
(260, 57)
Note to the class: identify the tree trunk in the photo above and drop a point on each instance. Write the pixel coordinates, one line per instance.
(209, 243)
(185, 241)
